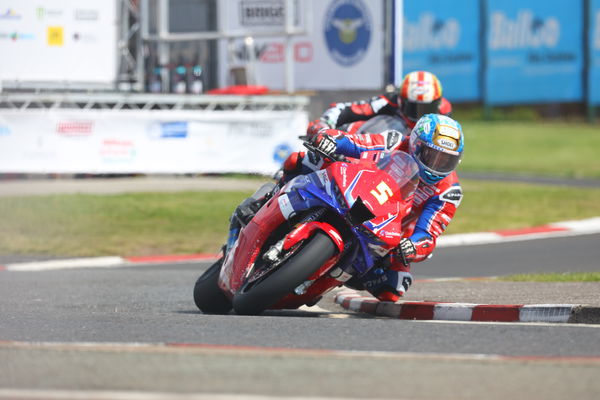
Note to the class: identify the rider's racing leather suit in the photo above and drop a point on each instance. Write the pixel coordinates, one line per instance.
(433, 209)
(385, 104)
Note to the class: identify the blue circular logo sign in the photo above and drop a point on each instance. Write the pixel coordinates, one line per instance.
(347, 31)
(281, 152)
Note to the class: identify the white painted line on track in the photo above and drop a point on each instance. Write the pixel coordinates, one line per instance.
(194, 348)
(502, 324)
(553, 230)
(33, 394)
(590, 225)
(203, 348)
(314, 308)
(93, 262)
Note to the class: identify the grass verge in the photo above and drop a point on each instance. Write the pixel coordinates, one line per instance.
(489, 206)
(130, 224)
(568, 150)
(190, 222)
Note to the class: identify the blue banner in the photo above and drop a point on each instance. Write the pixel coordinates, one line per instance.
(594, 53)
(534, 51)
(443, 38)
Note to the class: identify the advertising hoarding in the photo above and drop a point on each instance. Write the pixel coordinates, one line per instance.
(441, 37)
(534, 51)
(343, 47)
(158, 141)
(60, 41)
(594, 53)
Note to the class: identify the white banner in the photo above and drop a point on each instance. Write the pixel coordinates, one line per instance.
(343, 49)
(128, 141)
(71, 41)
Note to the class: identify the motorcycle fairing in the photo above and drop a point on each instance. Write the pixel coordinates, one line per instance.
(318, 189)
(380, 194)
(250, 241)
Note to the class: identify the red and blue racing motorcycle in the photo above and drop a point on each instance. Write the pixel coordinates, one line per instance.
(318, 231)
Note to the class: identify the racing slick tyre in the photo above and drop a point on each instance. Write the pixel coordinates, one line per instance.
(207, 295)
(255, 297)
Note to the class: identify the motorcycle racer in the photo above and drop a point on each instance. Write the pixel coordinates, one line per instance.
(436, 143)
(420, 93)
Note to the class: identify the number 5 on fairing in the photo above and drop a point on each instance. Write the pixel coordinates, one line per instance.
(383, 192)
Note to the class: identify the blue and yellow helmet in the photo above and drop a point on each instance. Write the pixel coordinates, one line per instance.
(436, 144)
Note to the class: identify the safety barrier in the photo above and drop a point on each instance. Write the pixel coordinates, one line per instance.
(117, 133)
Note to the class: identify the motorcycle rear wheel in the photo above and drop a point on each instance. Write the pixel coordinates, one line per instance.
(257, 297)
(207, 295)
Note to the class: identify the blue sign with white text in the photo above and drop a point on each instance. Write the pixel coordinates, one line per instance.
(594, 53)
(534, 51)
(443, 38)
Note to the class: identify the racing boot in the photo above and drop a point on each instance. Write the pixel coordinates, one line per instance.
(385, 282)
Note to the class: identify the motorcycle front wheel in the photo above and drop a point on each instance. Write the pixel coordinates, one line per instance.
(256, 296)
(207, 295)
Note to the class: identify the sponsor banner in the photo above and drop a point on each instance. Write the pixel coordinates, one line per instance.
(534, 51)
(261, 15)
(59, 41)
(129, 141)
(594, 53)
(343, 48)
(442, 38)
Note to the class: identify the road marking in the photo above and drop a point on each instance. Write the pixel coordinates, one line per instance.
(93, 262)
(546, 324)
(554, 230)
(204, 348)
(33, 394)
(314, 308)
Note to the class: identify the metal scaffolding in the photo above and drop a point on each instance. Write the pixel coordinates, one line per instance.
(163, 36)
(135, 101)
(130, 47)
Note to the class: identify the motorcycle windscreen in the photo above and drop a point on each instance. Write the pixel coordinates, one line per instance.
(403, 169)
(381, 123)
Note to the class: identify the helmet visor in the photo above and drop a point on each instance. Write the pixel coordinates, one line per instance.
(413, 110)
(437, 161)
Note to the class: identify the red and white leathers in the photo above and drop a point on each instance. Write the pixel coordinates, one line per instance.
(348, 113)
(433, 207)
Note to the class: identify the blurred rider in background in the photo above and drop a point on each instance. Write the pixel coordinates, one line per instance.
(436, 143)
(420, 93)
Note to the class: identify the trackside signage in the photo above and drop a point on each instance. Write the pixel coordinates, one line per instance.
(59, 42)
(594, 53)
(131, 141)
(342, 47)
(444, 39)
(534, 51)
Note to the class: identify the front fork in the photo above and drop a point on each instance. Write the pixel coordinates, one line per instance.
(302, 232)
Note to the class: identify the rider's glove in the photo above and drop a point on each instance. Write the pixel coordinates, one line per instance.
(325, 143)
(315, 126)
(406, 250)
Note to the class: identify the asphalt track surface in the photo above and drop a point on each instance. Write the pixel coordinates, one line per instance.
(580, 253)
(134, 332)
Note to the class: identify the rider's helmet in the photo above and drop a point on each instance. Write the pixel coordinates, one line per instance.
(420, 94)
(436, 143)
